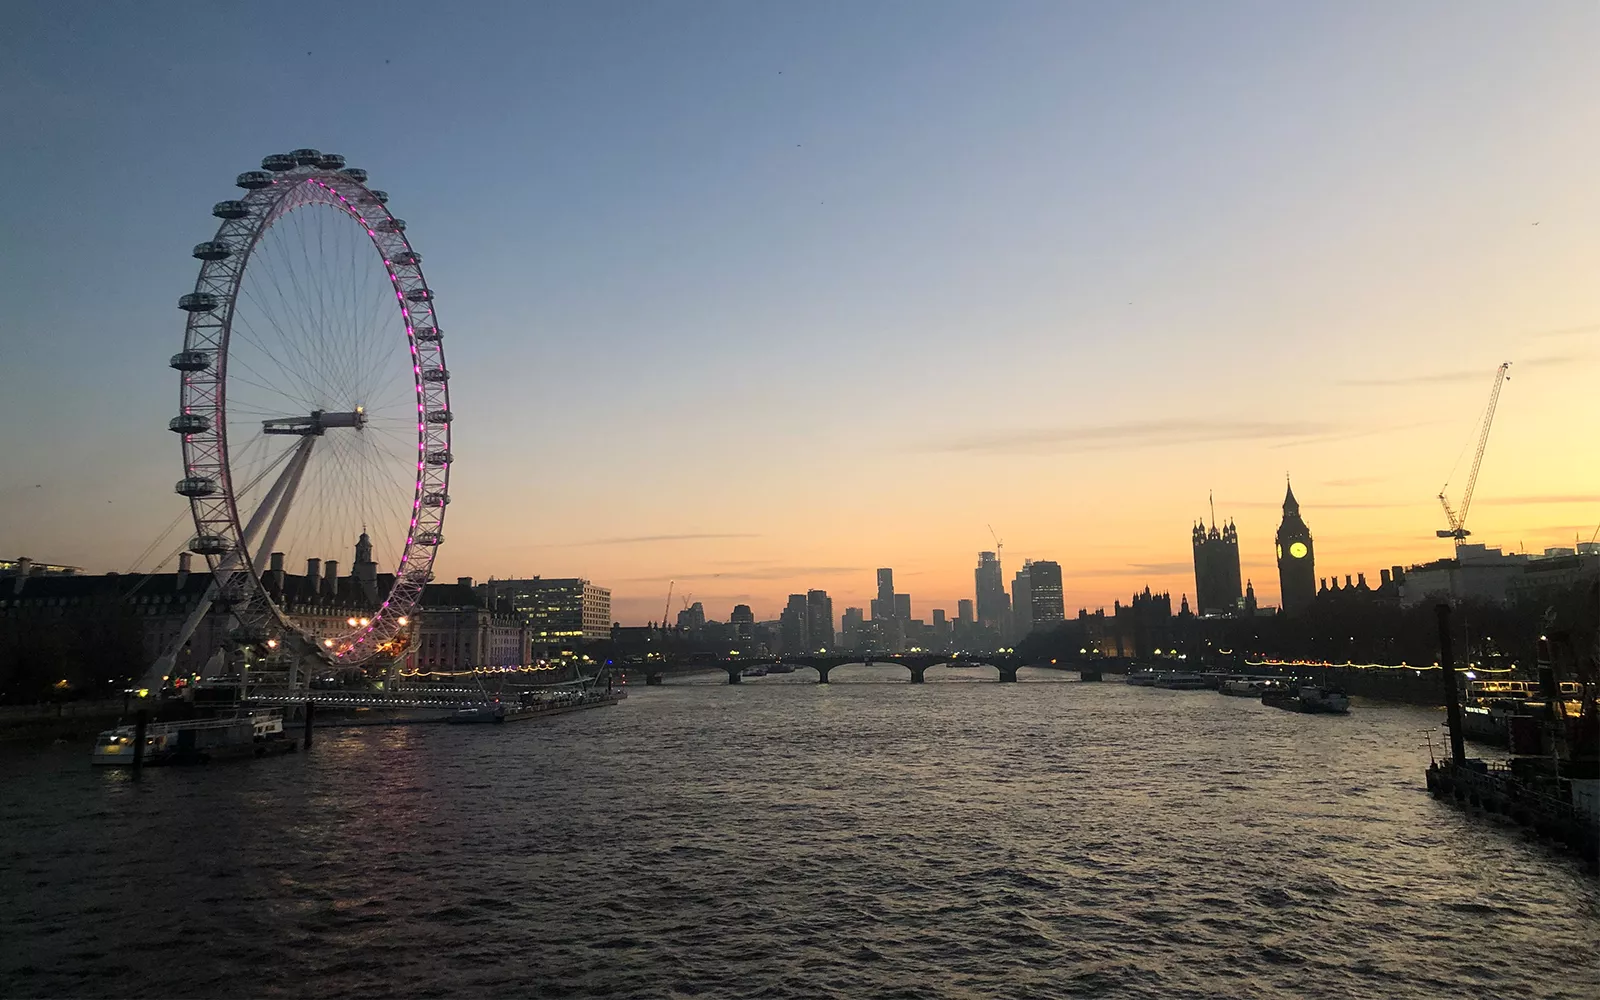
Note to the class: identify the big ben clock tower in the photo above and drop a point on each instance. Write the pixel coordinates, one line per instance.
(1297, 576)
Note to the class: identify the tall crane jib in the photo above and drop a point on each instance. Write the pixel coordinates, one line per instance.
(1458, 519)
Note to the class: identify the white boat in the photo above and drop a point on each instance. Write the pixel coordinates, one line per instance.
(1141, 678)
(1241, 688)
(192, 740)
(114, 747)
(753, 672)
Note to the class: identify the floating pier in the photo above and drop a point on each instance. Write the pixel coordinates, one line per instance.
(1547, 788)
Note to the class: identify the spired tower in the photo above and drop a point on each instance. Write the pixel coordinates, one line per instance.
(1297, 574)
(365, 570)
(1216, 568)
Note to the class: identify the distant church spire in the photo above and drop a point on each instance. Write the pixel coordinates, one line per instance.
(364, 569)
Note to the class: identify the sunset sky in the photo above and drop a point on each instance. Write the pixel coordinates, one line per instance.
(758, 297)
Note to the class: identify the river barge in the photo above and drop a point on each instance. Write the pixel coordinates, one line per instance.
(537, 708)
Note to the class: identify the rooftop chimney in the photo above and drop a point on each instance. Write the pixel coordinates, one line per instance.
(184, 561)
(1383, 575)
(313, 575)
(277, 571)
(330, 578)
(465, 581)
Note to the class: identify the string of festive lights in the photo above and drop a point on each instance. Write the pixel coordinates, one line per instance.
(1325, 664)
(529, 669)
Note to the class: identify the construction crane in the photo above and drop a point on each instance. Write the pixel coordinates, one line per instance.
(1458, 520)
(668, 609)
(999, 546)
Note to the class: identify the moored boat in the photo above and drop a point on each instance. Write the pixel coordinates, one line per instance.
(194, 741)
(1281, 696)
(1141, 678)
(1242, 687)
(1313, 699)
(1319, 700)
(494, 713)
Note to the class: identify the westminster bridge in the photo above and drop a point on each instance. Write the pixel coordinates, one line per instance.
(656, 672)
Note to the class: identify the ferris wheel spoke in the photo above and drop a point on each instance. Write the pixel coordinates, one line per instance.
(256, 384)
(368, 328)
(296, 334)
(272, 294)
(366, 308)
(379, 498)
(312, 392)
(401, 450)
(329, 323)
(395, 394)
(382, 461)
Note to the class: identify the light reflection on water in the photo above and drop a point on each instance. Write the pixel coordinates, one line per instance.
(781, 838)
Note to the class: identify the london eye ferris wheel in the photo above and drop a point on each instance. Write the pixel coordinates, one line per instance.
(314, 401)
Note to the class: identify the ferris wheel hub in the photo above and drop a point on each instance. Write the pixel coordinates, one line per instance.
(317, 423)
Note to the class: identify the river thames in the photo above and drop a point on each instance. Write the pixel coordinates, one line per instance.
(867, 838)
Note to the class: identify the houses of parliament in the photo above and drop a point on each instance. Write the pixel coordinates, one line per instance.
(1219, 587)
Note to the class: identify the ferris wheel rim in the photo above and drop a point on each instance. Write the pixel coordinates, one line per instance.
(271, 194)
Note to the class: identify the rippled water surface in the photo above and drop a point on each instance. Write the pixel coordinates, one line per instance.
(783, 839)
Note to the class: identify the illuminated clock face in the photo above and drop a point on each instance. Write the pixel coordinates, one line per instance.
(1280, 552)
(1298, 550)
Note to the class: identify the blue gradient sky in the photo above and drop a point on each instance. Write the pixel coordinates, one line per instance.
(761, 296)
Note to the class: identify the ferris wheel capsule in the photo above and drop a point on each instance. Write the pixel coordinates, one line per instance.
(190, 361)
(210, 545)
(195, 486)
